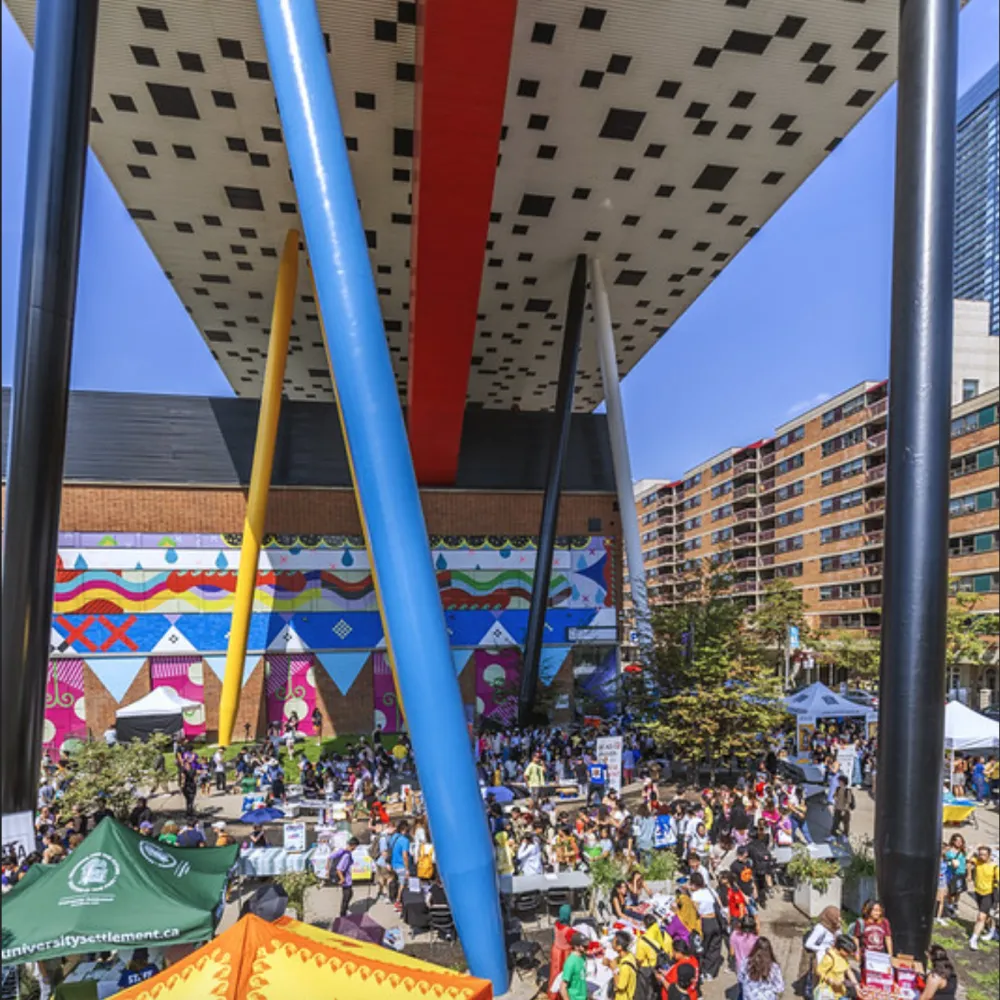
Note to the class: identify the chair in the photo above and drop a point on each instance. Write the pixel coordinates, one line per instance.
(523, 956)
(555, 898)
(442, 922)
(526, 904)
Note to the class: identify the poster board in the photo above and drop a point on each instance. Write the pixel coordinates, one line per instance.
(805, 731)
(609, 753)
(845, 757)
(18, 834)
(295, 837)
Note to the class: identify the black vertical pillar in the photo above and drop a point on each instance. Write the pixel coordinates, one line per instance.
(572, 335)
(911, 703)
(65, 36)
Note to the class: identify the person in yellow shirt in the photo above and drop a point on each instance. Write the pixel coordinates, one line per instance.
(504, 858)
(686, 911)
(534, 775)
(625, 967)
(652, 943)
(985, 884)
(834, 971)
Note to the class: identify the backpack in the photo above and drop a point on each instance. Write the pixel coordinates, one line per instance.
(851, 803)
(425, 863)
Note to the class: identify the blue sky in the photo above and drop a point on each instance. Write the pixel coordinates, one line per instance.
(800, 315)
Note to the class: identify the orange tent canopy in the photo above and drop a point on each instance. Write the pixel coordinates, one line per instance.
(257, 960)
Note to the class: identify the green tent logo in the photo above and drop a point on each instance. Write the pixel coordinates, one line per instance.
(95, 873)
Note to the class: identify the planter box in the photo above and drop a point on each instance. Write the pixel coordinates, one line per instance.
(663, 887)
(812, 903)
(857, 891)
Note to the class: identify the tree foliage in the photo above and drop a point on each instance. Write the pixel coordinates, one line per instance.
(860, 657)
(970, 637)
(780, 609)
(710, 693)
(113, 775)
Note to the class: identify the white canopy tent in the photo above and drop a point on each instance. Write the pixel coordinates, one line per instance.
(965, 729)
(817, 702)
(160, 711)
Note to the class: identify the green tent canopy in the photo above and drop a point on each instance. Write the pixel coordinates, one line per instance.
(116, 890)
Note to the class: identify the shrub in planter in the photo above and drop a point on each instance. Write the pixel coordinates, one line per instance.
(859, 874)
(660, 870)
(817, 882)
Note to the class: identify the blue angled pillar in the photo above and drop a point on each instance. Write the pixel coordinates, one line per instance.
(386, 487)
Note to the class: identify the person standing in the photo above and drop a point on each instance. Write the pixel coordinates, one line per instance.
(834, 973)
(707, 903)
(597, 776)
(219, 769)
(624, 967)
(341, 865)
(534, 776)
(843, 803)
(574, 972)
(760, 978)
(985, 884)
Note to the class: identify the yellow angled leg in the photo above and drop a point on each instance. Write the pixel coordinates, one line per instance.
(260, 484)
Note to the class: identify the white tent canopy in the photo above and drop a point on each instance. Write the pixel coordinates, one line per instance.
(818, 702)
(159, 701)
(965, 729)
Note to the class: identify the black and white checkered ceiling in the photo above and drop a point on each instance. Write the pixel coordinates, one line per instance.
(659, 134)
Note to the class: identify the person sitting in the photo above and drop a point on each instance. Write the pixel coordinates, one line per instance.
(139, 969)
(257, 837)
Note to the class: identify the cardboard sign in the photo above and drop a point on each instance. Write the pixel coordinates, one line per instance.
(609, 753)
(846, 756)
(18, 835)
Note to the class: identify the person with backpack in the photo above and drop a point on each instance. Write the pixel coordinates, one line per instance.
(341, 864)
(399, 859)
(624, 967)
(843, 805)
(425, 861)
(573, 984)
(597, 776)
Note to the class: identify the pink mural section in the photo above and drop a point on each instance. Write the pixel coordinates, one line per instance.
(65, 714)
(186, 676)
(386, 708)
(498, 673)
(290, 687)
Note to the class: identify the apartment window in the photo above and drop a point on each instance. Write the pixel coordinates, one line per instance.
(790, 437)
(845, 410)
(970, 388)
(985, 417)
(840, 531)
(726, 510)
(980, 583)
(722, 489)
(691, 522)
(791, 490)
(791, 569)
(840, 592)
(692, 543)
(965, 465)
(842, 441)
(723, 535)
(694, 480)
(968, 545)
(795, 462)
(843, 502)
(788, 544)
(691, 502)
(840, 621)
(845, 471)
(972, 502)
(690, 564)
(721, 558)
(724, 466)
(789, 517)
(846, 560)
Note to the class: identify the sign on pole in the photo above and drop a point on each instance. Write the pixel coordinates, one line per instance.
(793, 637)
(609, 753)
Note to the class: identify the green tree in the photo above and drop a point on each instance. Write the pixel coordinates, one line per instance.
(780, 609)
(970, 637)
(113, 775)
(861, 658)
(713, 693)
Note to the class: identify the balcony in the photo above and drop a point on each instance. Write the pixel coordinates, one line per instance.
(665, 519)
(766, 485)
(750, 490)
(750, 538)
(747, 587)
(873, 631)
(746, 515)
(750, 465)
(877, 409)
(765, 536)
(876, 441)
(875, 474)
(874, 601)
(766, 560)
(746, 563)
(767, 460)
(873, 569)
(875, 506)
(874, 537)
(766, 510)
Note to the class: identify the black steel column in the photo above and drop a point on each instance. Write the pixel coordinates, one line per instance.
(911, 703)
(572, 334)
(65, 36)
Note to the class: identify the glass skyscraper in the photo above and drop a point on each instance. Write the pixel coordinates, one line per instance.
(977, 198)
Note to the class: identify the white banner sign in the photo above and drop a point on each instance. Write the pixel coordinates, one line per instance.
(845, 757)
(18, 835)
(609, 753)
(295, 837)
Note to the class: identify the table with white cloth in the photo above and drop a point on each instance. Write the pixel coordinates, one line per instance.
(262, 862)
(516, 885)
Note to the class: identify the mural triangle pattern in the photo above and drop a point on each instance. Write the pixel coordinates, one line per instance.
(217, 664)
(461, 658)
(550, 662)
(344, 667)
(116, 673)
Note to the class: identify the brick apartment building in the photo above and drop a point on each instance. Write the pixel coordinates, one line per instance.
(808, 505)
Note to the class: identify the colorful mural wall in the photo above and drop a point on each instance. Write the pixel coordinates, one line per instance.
(130, 603)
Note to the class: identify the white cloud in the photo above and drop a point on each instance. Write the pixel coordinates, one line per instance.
(807, 404)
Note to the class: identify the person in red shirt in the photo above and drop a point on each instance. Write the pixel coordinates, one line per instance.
(687, 982)
(872, 930)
